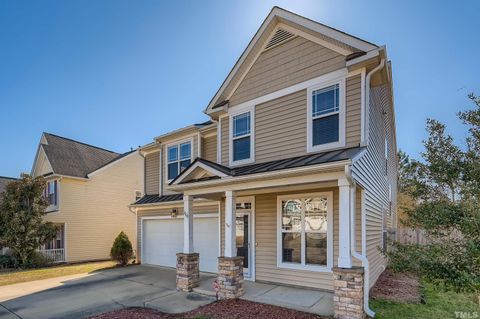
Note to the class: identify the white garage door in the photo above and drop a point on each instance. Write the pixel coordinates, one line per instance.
(163, 239)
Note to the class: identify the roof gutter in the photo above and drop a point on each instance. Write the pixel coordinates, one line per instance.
(367, 101)
(355, 254)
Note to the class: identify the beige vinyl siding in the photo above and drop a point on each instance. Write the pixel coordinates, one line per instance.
(209, 148)
(43, 166)
(353, 114)
(370, 171)
(224, 123)
(95, 211)
(152, 173)
(292, 62)
(204, 209)
(281, 127)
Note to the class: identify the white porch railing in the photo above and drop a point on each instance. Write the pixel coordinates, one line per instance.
(54, 255)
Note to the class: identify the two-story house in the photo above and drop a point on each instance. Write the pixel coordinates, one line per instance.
(88, 190)
(293, 179)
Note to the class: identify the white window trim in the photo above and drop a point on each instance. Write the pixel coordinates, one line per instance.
(177, 142)
(342, 105)
(232, 114)
(280, 263)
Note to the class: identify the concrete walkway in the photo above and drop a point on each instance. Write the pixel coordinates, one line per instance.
(85, 295)
(302, 299)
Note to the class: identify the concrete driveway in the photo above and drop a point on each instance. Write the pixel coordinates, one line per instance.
(80, 296)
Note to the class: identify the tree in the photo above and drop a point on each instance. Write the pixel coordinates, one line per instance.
(444, 188)
(22, 228)
(122, 250)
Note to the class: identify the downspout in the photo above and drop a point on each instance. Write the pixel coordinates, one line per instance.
(361, 257)
(367, 99)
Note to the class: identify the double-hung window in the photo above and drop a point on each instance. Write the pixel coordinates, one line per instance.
(178, 157)
(325, 116)
(241, 138)
(305, 232)
(51, 193)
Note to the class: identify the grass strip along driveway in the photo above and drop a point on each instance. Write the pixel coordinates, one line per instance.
(18, 276)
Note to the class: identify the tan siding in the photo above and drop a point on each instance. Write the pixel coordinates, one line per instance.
(353, 114)
(290, 63)
(209, 148)
(281, 127)
(204, 209)
(96, 211)
(370, 170)
(152, 173)
(224, 122)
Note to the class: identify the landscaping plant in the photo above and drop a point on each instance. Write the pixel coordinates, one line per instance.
(445, 191)
(22, 228)
(122, 250)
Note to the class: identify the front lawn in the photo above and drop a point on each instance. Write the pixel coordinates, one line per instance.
(439, 304)
(18, 276)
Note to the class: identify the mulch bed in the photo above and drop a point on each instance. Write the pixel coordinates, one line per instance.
(398, 287)
(235, 309)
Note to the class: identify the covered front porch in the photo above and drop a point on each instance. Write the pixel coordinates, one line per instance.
(298, 229)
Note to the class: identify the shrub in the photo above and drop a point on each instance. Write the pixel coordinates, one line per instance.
(6, 261)
(122, 250)
(37, 260)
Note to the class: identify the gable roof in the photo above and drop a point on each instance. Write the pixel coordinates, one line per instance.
(73, 158)
(4, 181)
(293, 162)
(290, 22)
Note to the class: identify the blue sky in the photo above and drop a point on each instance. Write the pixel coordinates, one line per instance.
(117, 73)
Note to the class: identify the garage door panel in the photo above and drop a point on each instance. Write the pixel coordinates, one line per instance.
(163, 239)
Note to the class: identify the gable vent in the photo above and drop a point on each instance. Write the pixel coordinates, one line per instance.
(279, 37)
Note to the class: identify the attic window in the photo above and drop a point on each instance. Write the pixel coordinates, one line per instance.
(279, 37)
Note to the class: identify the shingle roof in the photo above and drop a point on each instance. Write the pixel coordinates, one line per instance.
(73, 158)
(293, 162)
(150, 199)
(4, 181)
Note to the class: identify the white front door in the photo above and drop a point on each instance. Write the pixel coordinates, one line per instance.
(162, 239)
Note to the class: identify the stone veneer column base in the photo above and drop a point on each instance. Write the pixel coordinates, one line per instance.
(348, 285)
(188, 276)
(230, 277)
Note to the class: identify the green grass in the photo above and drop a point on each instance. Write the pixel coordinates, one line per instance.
(440, 304)
(18, 276)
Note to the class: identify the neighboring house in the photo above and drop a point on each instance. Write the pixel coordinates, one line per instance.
(3, 185)
(89, 190)
(295, 171)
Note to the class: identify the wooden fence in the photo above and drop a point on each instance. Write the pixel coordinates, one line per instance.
(412, 236)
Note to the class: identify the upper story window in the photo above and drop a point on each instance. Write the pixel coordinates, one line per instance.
(241, 142)
(179, 156)
(51, 193)
(325, 117)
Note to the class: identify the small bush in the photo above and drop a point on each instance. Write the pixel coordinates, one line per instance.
(122, 251)
(37, 260)
(7, 261)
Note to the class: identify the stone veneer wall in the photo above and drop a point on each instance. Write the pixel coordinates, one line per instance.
(230, 277)
(188, 275)
(348, 285)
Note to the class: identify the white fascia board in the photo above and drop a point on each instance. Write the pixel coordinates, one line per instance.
(262, 176)
(199, 165)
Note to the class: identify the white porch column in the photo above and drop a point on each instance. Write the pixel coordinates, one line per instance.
(344, 249)
(188, 224)
(230, 226)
